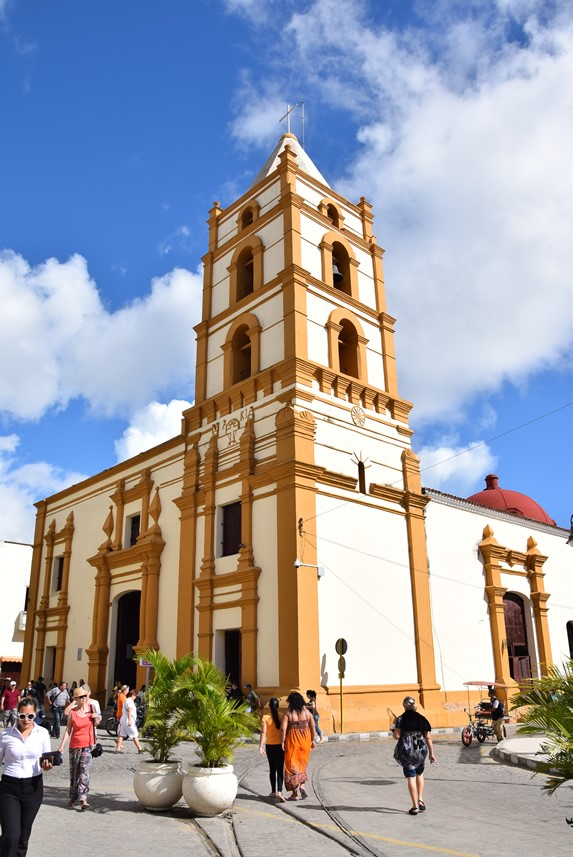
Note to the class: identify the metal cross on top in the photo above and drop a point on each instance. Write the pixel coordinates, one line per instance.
(287, 115)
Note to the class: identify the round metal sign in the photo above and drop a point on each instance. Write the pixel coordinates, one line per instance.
(341, 646)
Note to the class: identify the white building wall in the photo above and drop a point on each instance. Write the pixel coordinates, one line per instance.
(459, 605)
(365, 595)
(265, 551)
(15, 562)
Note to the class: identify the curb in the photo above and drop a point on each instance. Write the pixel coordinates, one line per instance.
(367, 736)
(519, 761)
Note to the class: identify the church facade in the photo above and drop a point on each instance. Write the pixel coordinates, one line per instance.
(289, 512)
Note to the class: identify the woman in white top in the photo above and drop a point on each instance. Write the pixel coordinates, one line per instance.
(128, 723)
(21, 788)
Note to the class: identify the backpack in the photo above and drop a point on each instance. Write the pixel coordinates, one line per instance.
(411, 749)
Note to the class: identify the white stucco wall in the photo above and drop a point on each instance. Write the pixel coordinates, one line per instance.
(15, 563)
(265, 551)
(459, 606)
(365, 595)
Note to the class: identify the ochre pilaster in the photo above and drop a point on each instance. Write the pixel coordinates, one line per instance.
(492, 552)
(187, 505)
(534, 563)
(388, 352)
(34, 590)
(299, 652)
(205, 630)
(414, 503)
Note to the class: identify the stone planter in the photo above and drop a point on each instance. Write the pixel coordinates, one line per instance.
(158, 785)
(209, 791)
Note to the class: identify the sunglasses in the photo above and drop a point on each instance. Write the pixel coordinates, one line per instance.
(85, 696)
(26, 716)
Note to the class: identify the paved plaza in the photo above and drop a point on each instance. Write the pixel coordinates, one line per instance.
(477, 807)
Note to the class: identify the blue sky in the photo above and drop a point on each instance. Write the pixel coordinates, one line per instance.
(121, 123)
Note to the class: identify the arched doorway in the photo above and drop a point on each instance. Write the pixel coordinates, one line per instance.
(516, 634)
(127, 636)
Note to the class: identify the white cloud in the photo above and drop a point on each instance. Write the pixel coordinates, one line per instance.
(257, 113)
(23, 484)
(176, 239)
(466, 133)
(149, 426)
(456, 469)
(58, 341)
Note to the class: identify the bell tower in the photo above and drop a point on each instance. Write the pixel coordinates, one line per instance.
(298, 418)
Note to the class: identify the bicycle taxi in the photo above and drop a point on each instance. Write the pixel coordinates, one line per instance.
(480, 725)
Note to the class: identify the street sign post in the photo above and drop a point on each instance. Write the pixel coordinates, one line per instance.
(341, 647)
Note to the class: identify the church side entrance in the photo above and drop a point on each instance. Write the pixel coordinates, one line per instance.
(516, 634)
(233, 656)
(127, 636)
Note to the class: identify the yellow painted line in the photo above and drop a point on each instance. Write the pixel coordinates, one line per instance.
(332, 827)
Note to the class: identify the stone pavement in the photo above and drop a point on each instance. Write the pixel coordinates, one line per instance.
(477, 807)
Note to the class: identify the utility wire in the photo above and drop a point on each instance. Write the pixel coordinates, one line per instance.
(457, 454)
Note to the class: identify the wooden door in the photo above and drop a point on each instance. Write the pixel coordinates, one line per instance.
(516, 634)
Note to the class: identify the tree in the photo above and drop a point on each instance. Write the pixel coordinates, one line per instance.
(548, 703)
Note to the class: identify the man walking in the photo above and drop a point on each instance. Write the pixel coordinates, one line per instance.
(9, 703)
(59, 698)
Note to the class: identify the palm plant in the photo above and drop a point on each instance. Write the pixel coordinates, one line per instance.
(161, 729)
(187, 701)
(549, 709)
(215, 723)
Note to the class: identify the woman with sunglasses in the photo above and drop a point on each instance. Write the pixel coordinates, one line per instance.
(21, 789)
(80, 732)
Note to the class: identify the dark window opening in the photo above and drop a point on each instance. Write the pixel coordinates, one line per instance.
(241, 355)
(58, 573)
(348, 349)
(570, 638)
(245, 274)
(361, 477)
(134, 528)
(340, 268)
(247, 218)
(231, 529)
(27, 599)
(332, 214)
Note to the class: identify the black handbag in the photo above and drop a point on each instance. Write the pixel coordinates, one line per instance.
(97, 748)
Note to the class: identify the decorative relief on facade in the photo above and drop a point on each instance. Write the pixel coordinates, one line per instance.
(358, 416)
(231, 427)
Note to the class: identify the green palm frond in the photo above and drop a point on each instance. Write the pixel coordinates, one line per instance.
(547, 705)
(187, 701)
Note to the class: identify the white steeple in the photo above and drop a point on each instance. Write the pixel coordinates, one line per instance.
(303, 160)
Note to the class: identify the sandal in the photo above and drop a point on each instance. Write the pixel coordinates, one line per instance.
(421, 806)
(293, 797)
(413, 811)
(280, 797)
(303, 793)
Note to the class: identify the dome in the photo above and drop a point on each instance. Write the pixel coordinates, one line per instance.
(510, 501)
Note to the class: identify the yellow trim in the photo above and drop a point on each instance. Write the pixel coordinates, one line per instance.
(414, 503)
(493, 555)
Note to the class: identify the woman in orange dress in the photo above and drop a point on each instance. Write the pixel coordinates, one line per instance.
(298, 733)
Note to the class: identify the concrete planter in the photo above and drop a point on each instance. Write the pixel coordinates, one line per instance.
(209, 791)
(158, 785)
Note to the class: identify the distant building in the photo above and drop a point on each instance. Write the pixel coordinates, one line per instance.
(296, 460)
(15, 562)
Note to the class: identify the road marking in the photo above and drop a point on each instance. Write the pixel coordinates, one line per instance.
(332, 827)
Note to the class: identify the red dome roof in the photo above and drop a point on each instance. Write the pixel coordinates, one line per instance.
(510, 501)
